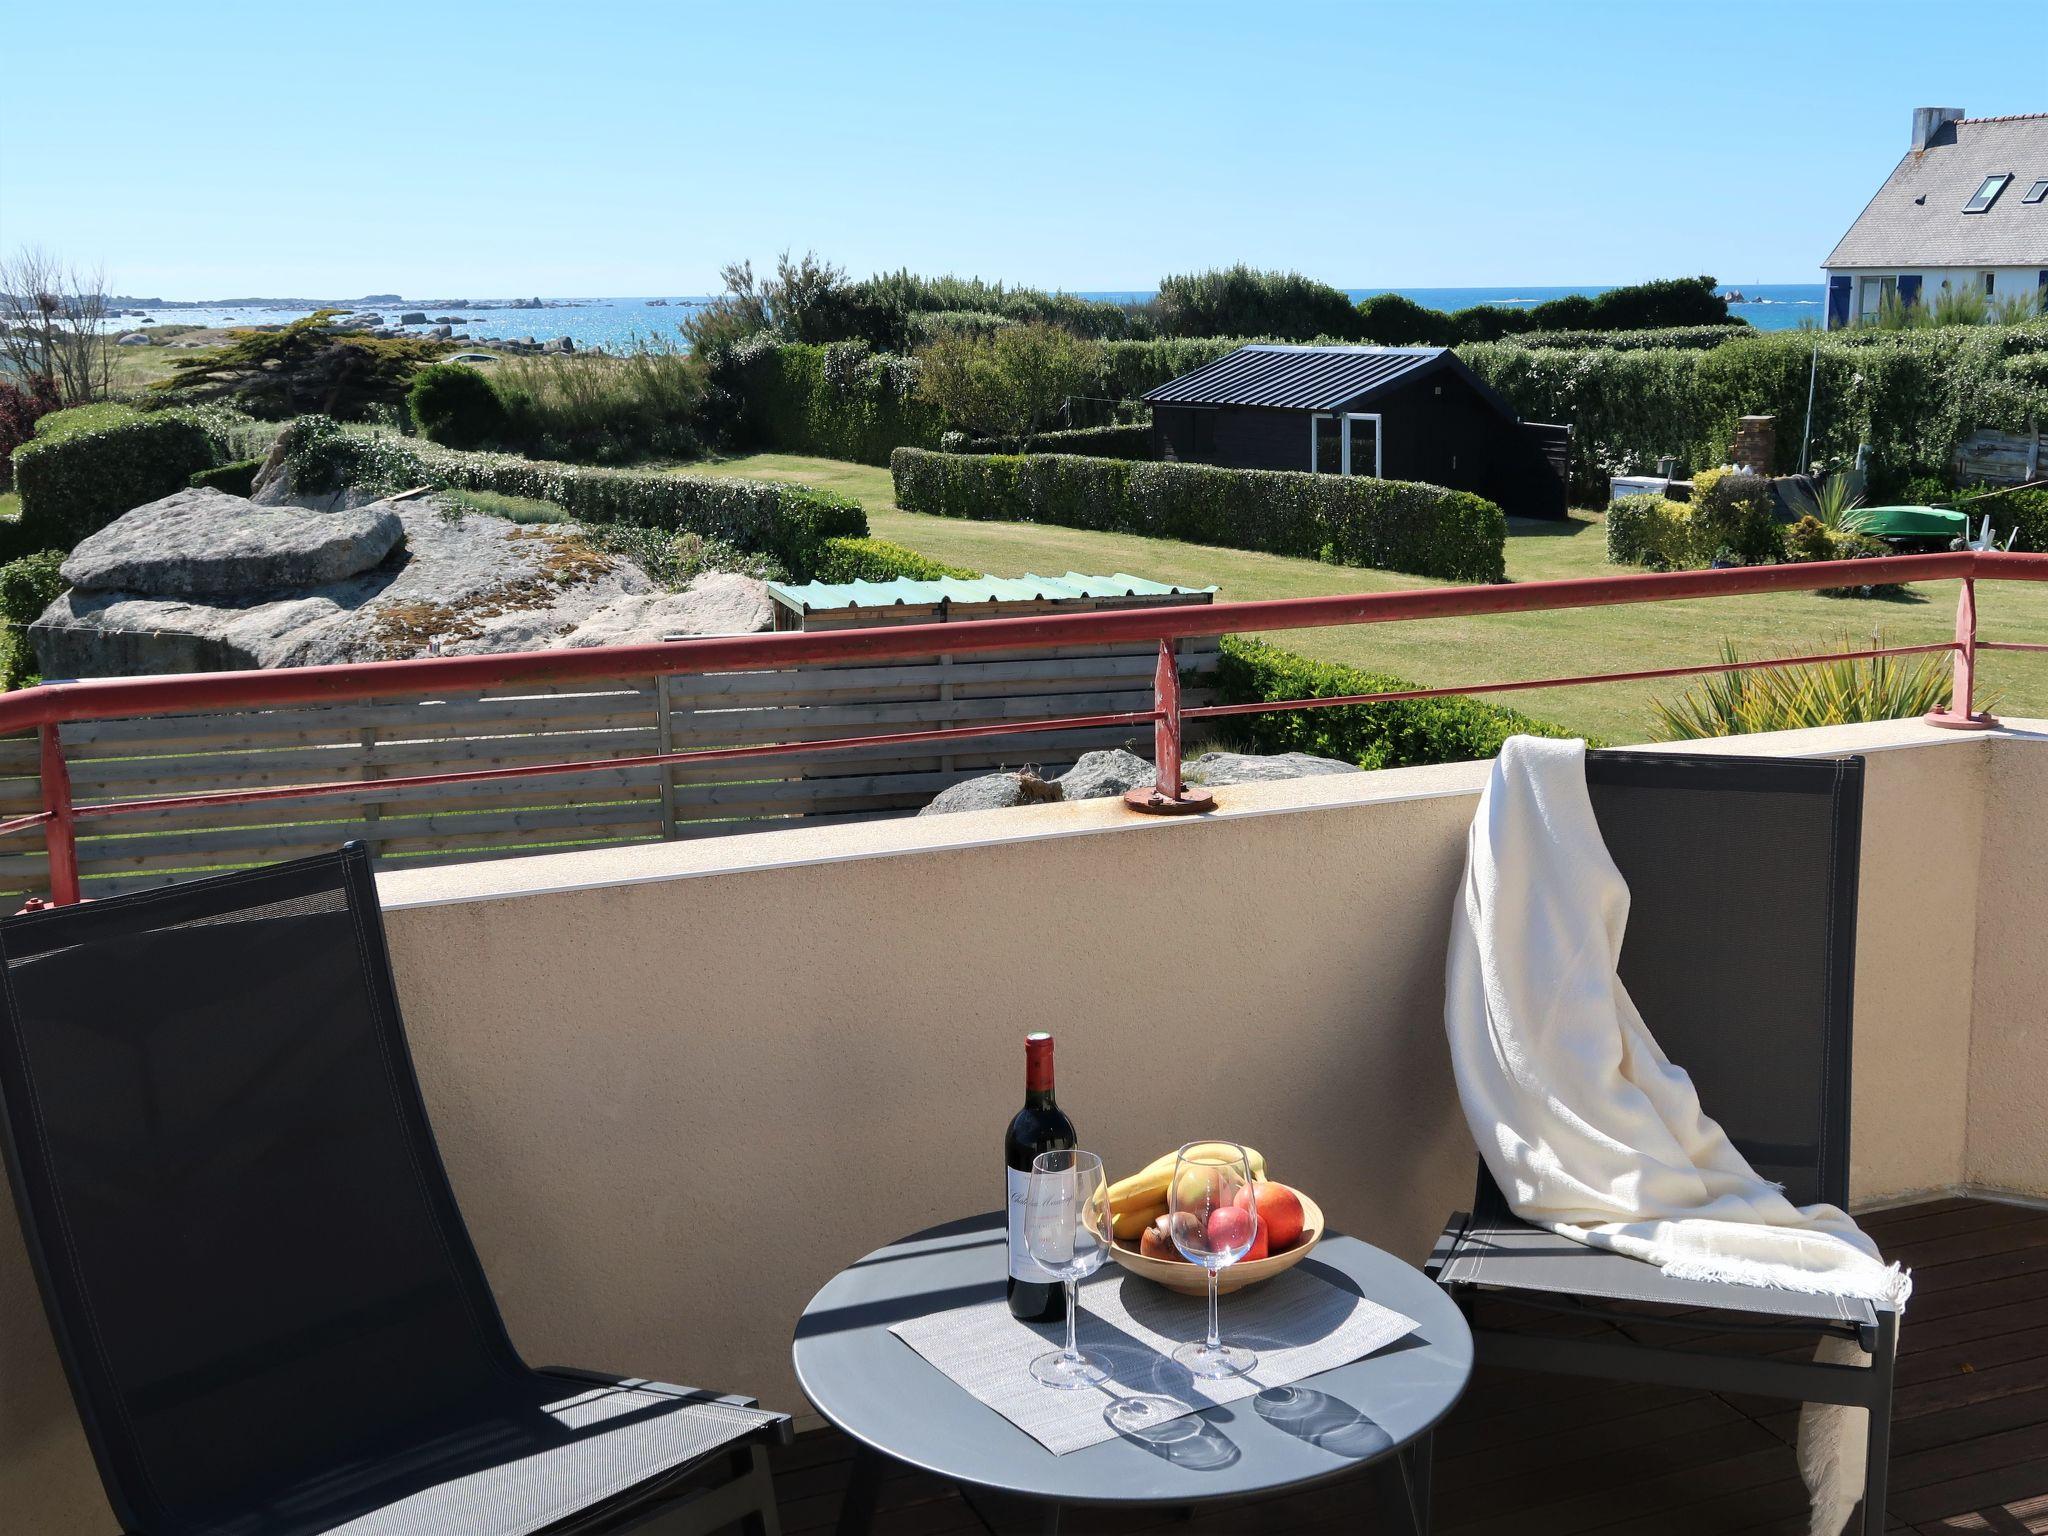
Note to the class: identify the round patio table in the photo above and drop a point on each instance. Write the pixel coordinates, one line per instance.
(894, 1404)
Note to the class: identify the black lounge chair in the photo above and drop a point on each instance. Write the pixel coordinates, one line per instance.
(1740, 953)
(270, 1312)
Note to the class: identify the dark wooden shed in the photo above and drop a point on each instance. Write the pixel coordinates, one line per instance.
(1400, 413)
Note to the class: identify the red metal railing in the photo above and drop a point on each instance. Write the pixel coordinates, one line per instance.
(48, 708)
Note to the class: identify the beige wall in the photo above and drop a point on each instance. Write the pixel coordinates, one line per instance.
(678, 1086)
(2008, 1147)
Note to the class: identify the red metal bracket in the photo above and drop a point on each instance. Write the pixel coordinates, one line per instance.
(1167, 795)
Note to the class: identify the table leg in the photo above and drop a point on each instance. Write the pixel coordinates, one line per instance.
(863, 1483)
(1049, 1522)
(1416, 1464)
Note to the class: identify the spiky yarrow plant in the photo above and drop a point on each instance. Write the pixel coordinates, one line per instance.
(1847, 691)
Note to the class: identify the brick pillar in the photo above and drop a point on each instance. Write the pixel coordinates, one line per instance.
(1756, 443)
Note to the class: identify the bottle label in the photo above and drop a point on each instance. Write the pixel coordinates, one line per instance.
(1022, 1265)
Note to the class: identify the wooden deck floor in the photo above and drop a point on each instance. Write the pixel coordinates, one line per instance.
(1543, 1456)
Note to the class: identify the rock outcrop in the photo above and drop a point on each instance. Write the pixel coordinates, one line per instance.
(1214, 768)
(207, 543)
(225, 583)
(992, 792)
(1099, 775)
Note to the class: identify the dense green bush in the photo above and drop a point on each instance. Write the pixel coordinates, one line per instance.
(28, 585)
(1732, 518)
(1128, 440)
(1394, 321)
(74, 484)
(1686, 337)
(842, 401)
(787, 522)
(1017, 382)
(1636, 306)
(1243, 301)
(1397, 734)
(237, 478)
(454, 405)
(1912, 395)
(1393, 525)
(1649, 530)
(879, 560)
(2025, 510)
(601, 410)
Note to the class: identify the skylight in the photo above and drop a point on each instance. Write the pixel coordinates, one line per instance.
(2037, 191)
(1988, 193)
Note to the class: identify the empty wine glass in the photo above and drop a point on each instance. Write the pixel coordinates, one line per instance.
(1213, 1228)
(1066, 1229)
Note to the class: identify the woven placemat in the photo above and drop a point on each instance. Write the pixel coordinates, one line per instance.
(1298, 1323)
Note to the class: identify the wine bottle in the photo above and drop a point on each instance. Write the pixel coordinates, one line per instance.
(1036, 1294)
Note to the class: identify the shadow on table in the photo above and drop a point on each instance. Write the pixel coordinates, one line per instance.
(1327, 1422)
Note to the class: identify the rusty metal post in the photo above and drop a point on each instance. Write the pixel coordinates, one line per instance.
(1961, 714)
(1167, 796)
(59, 831)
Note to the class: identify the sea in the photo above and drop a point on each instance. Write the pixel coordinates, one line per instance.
(623, 324)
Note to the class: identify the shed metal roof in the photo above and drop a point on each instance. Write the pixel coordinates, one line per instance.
(815, 596)
(1294, 378)
(1917, 219)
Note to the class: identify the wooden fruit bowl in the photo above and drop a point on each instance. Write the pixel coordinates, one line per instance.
(1189, 1280)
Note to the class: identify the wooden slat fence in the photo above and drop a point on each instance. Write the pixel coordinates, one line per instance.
(2001, 458)
(148, 758)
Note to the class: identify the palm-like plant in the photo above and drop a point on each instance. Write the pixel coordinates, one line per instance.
(1847, 691)
(1833, 504)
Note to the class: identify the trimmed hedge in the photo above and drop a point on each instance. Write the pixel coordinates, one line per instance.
(1397, 734)
(74, 484)
(1131, 440)
(1393, 525)
(758, 516)
(842, 401)
(879, 560)
(237, 479)
(1912, 395)
(1681, 336)
(1649, 530)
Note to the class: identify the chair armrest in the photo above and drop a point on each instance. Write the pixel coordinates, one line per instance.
(1446, 1244)
(608, 1379)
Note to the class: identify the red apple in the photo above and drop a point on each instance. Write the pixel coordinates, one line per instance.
(1281, 1217)
(1231, 1227)
(1258, 1247)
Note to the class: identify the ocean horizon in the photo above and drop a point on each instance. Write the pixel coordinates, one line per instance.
(620, 324)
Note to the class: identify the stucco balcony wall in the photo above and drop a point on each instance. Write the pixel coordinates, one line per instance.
(677, 1086)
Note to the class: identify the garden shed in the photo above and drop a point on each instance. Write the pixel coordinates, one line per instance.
(1399, 413)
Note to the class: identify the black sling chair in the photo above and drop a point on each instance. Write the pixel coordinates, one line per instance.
(1739, 952)
(270, 1312)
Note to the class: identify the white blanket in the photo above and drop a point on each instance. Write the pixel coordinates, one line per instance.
(1589, 1130)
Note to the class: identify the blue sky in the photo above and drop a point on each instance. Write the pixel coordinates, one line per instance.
(458, 148)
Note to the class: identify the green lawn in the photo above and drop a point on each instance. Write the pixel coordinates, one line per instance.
(1473, 650)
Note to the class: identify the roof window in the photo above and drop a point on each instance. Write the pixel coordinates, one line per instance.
(1987, 194)
(2037, 192)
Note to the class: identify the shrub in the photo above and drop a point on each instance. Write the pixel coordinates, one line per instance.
(675, 559)
(1396, 734)
(1129, 440)
(1394, 321)
(1683, 337)
(20, 409)
(844, 402)
(1387, 524)
(787, 522)
(237, 478)
(73, 485)
(1844, 692)
(602, 410)
(879, 560)
(1650, 530)
(1669, 301)
(1014, 383)
(1733, 514)
(28, 585)
(307, 365)
(1243, 301)
(2022, 508)
(454, 405)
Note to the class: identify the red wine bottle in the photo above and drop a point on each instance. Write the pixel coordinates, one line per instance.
(1036, 1294)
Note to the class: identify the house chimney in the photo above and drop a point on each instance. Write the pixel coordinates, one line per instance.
(1928, 121)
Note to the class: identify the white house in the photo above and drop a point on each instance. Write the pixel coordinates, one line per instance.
(1967, 207)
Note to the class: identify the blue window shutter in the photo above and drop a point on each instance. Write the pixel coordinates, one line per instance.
(1909, 289)
(1838, 302)
(2043, 285)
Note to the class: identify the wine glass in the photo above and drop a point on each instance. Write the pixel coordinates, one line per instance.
(1066, 1229)
(1212, 1228)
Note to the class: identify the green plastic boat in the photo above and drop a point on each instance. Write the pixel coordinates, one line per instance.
(1914, 523)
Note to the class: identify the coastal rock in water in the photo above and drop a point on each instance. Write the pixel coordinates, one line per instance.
(1098, 775)
(993, 792)
(206, 543)
(1213, 768)
(442, 332)
(467, 583)
(413, 317)
(717, 603)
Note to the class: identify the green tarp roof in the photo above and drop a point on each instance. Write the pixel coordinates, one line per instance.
(817, 595)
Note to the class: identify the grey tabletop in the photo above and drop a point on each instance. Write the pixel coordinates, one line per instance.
(886, 1396)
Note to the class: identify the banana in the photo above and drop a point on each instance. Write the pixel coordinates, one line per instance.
(1131, 1221)
(1148, 1185)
